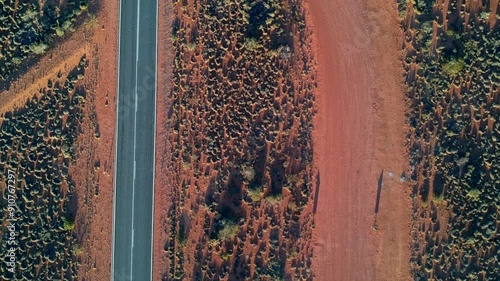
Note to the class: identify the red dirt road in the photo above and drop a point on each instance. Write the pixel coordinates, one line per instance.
(359, 131)
(345, 141)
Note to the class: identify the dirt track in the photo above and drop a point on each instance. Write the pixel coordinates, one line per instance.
(359, 132)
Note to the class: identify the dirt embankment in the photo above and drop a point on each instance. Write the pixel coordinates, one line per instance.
(162, 184)
(94, 169)
(362, 216)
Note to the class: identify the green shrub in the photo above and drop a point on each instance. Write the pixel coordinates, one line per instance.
(228, 231)
(76, 249)
(69, 223)
(225, 256)
(252, 44)
(454, 67)
(274, 198)
(39, 49)
(474, 194)
(255, 194)
(438, 199)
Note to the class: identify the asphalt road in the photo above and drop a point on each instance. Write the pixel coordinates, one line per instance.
(135, 142)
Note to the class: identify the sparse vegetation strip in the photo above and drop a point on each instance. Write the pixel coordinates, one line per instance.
(27, 29)
(240, 125)
(452, 71)
(38, 141)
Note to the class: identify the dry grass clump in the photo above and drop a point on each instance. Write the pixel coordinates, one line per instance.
(38, 143)
(452, 74)
(241, 111)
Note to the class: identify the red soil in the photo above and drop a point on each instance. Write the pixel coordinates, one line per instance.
(187, 189)
(36, 78)
(94, 168)
(95, 181)
(359, 132)
(162, 190)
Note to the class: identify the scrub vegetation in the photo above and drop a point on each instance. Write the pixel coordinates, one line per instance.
(27, 29)
(452, 71)
(240, 124)
(38, 143)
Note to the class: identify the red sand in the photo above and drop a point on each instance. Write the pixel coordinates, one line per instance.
(104, 87)
(94, 169)
(359, 131)
(162, 187)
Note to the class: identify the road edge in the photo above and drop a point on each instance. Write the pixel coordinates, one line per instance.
(154, 144)
(116, 141)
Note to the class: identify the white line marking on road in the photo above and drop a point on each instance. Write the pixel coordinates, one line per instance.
(133, 184)
(136, 92)
(131, 254)
(137, 36)
(135, 133)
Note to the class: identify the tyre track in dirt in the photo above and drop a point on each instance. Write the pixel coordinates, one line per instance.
(359, 132)
(344, 139)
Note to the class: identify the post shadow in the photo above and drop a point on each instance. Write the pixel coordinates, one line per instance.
(377, 201)
(379, 190)
(316, 193)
